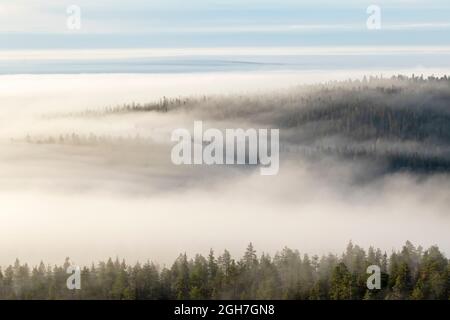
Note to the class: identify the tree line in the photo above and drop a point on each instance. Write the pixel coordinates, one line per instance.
(411, 273)
(355, 115)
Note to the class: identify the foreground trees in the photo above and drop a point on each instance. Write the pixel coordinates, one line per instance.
(412, 273)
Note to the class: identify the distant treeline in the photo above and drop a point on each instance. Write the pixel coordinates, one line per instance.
(412, 273)
(90, 139)
(314, 96)
(370, 119)
(163, 105)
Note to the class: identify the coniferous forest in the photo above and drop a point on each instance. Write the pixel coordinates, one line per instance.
(410, 273)
(401, 123)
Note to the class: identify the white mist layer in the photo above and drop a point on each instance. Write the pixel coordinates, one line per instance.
(92, 202)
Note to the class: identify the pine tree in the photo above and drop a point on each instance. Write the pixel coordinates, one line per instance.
(181, 272)
(402, 286)
(341, 283)
(250, 259)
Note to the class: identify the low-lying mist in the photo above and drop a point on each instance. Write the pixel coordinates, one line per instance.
(361, 160)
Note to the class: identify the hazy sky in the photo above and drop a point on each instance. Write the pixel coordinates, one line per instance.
(209, 23)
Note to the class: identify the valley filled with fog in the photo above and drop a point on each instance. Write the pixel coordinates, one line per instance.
(86, 171)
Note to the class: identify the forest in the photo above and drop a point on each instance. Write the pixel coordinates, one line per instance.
(411, 273)
(400, 123)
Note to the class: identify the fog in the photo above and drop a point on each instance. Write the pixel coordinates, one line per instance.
(117, 197)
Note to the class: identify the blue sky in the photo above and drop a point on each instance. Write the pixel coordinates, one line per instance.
(212, 23)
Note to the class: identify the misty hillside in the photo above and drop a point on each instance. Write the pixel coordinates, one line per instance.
(357, 159)
(400, 122)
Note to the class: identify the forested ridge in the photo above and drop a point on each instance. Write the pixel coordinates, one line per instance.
(411, 273)
(402, 123)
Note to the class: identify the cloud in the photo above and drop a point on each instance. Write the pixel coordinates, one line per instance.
(140, 17)
(134, 203)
